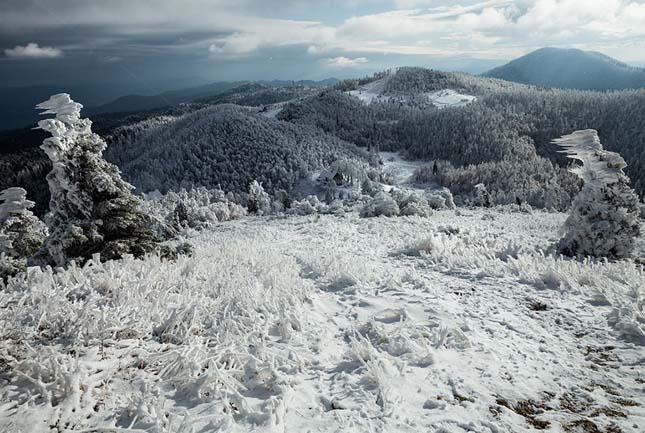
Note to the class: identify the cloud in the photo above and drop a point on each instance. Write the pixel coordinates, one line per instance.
(345, 62)
(33, 51)
(221, 29)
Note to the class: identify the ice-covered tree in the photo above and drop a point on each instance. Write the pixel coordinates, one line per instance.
(21, 233)
(92, 210)
(25, 232)
(259, 200)
(482, 197)
(604, 215)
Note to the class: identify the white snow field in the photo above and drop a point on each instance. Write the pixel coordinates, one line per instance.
(459, 322)
(450, 98)
(373, 92)
(400, 170)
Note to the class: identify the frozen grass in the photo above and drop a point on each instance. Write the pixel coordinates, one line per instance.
(501, 249)
(329, 323)
(196, 326)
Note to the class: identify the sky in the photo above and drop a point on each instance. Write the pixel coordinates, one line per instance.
(174, 43)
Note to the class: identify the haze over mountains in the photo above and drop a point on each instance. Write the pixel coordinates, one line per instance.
(571, 69)
(17, 103)
(547, 67)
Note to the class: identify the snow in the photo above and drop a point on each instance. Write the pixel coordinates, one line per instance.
(374, 92)
(371, 92)
(271, 111)
(399, 169)
(450, 98)
(366, 97)
(459, 322)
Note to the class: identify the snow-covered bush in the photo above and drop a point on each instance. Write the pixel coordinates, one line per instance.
(604, 216)
(440, 199)
(411, 203)
(92, 210)
(370, 187)
(21, 233)
(259, 200)
(197, 208)
(381, 204)
(481, 196)
(308, 206)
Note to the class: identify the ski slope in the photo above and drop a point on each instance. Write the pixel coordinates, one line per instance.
(454, 323)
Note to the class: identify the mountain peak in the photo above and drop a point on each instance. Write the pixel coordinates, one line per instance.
(570, 68)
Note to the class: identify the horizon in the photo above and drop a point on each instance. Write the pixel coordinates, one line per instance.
(137, 46)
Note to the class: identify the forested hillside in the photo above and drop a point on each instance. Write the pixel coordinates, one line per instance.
(507, 130)
(226, 146)
(258, 94)
(499, 136)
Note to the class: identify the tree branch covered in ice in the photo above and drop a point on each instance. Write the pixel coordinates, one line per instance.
(604, 216)
(92, 210)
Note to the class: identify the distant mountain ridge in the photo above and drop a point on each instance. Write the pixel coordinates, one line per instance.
(141, 103)
(571, 69)
(17, 103)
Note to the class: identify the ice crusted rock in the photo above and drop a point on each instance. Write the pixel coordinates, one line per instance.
(92, 210)
(604, 215)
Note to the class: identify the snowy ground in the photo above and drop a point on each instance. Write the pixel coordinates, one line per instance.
(450, 98)
(452, 323)
(272, 110)
(400, 170)
(373, 92)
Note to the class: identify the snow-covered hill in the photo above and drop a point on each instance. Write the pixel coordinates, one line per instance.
(223, 145)
(456, 323)
(375, 92)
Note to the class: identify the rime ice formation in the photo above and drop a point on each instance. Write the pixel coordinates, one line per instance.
(92, 209)
(599, 167)
(21, 233)
(13, 202)
(604, 215)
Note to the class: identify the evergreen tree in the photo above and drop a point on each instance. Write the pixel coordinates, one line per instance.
(259, 200)
(604, 216)
(21, 233)
(92, 210)
(24, 231)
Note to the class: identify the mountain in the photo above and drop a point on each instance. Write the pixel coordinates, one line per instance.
(571, 69)
(17, 103)
(257, 94)
(223, 145)
(142, 103)
(207, 92)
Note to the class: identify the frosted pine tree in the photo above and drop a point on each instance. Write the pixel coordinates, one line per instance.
(92, 210)
(21, 233)
(482, 197)
(259, 200)
(604, 215)
(23, 229)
